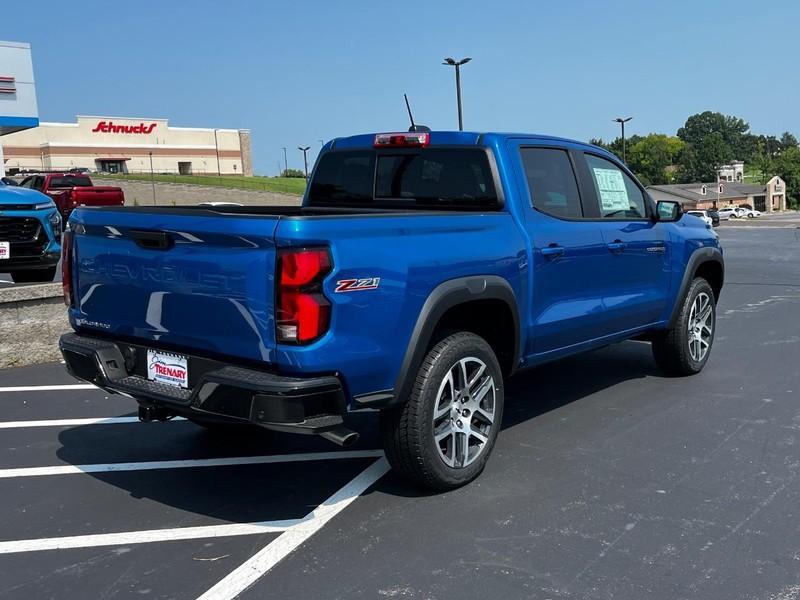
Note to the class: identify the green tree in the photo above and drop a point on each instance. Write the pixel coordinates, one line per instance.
(699, 161)
(651, 157)
(787, 165)
(788, 141)
(733, 131)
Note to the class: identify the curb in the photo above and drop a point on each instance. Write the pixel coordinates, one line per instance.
(32, 318)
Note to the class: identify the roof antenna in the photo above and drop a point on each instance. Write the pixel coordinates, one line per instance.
(413, 127)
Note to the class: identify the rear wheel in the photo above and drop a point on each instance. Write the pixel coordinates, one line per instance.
(684, 349)
(443, 435)
(34, 275)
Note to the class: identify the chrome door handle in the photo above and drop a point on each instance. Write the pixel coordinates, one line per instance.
(553, 251)
(617, 246)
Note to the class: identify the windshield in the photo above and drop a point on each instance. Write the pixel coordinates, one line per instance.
(70, 181)
(428, 177)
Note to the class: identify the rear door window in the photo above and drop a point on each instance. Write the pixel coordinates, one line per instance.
(551, 182)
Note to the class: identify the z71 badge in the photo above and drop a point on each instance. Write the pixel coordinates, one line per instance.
(357, 285)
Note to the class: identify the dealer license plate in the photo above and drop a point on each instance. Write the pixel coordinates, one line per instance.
(5, 250)
(165, 367)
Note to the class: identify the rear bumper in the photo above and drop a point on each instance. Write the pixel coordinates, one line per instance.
(218, 390)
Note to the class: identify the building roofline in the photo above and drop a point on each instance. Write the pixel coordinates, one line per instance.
(19, 45)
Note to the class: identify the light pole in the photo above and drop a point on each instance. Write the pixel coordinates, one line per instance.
(305, 150)
(216, 150)
(321, 143)
(285, 163)
(622, 122)
(152, 178)
(457, 64)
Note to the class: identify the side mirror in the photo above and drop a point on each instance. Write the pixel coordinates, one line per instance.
(669, 211)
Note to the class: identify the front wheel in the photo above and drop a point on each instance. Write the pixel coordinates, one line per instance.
(442, 436)
(684, 348)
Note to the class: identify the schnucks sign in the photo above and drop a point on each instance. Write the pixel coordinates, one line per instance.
(109, 127)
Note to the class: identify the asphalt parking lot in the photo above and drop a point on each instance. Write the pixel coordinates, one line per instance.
(608, 481)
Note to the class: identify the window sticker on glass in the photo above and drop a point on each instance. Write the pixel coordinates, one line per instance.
(611, 185)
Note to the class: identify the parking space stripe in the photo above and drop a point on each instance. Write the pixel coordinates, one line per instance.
(75, 422)
(259, 564)
(143, 537)
(185, 464)
(49, 388)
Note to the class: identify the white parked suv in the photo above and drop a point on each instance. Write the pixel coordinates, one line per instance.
(737, 212)
(703, 215)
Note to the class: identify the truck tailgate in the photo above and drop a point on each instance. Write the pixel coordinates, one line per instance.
(98, 196)
(177, 279)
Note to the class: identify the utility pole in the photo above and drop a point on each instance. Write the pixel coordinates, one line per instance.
(285, 163)
(622, 121)
(305, 150)
(216, 148)
(457, 64)
(152, 178)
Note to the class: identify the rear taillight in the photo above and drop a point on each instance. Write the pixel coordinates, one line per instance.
(302, 311)
(67, 255)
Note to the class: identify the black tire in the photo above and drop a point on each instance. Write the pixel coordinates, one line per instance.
(408, 430)
(671, 350)
(34, 275)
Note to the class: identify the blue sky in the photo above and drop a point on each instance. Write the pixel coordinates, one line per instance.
(295, 73)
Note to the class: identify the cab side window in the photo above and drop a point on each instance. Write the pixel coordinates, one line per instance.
(551, 182)
(618, 195)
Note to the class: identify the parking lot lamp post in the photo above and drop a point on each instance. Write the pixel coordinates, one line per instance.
(216, 150)
(457, 64)
(152, 178)
(285, 162)
(622, 121)
(321, 143)
(305, 150)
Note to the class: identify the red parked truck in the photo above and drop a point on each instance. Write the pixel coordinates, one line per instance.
(70, 190)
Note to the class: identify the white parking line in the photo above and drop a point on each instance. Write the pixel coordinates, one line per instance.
(293, 533)
(48, 388)
(143, 537)
(75, 422)
(259, 564)
(185, 464)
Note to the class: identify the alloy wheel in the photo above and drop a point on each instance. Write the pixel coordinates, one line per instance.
(701, 326)
(464, 413)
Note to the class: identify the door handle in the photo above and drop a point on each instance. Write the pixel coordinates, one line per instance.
(553, 251)
(617, 246)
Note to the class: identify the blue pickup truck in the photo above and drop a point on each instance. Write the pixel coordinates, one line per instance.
(30, 235)
(421, 271)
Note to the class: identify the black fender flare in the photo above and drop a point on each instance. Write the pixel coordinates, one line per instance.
(443, 297)
(697, 258)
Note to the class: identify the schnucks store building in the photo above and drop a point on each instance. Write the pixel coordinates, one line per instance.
(128, 145)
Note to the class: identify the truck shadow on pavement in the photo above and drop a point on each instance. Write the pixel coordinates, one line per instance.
(290, 490)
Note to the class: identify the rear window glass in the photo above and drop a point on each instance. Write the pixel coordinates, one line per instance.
(430, 178)
(70, 181)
